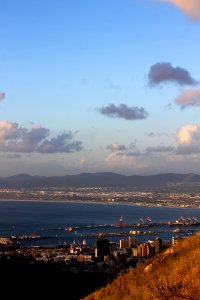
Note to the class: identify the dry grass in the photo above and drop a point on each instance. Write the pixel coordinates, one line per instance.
(174, 275)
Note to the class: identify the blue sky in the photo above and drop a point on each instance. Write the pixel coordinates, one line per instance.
(91, 86)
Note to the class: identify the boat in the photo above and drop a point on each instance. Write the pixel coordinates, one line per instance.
(120, 222)
(69, 229)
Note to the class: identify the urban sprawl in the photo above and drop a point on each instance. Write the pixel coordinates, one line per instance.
(170, 196)
(105, 256)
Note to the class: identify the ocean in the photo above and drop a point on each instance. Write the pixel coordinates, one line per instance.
(53, 218)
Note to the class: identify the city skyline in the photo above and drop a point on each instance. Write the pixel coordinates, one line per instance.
(92, 86)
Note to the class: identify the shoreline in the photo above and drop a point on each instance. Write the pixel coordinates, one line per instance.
(98, 202)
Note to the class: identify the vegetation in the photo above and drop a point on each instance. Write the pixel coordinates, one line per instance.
(173, 274)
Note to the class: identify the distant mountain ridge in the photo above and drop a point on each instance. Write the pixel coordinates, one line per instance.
(101, 179)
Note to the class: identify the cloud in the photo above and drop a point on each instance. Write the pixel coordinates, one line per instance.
(11, 156)
(188, 139)
(165, 72)
(122, 148)
(122, 156)
(62, 143)
(2, 96)
(124, 112)
(188, 149)
(159, 149)
(124, 162)
(116, 147)
(187, 133)
(189, 7)
(122, 151)
(151, 134)
(168, 106)
(112, 157)
(14, 138)
(7, 130)
(189, 98)
(82, 160)
(131, 153)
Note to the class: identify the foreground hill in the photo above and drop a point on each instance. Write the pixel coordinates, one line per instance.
(105, 179)
(174, 274)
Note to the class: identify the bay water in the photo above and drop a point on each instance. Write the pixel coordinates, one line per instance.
(52, 219)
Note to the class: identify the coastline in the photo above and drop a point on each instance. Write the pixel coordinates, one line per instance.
(101, 203)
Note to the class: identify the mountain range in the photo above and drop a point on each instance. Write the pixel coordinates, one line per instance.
(105, 179)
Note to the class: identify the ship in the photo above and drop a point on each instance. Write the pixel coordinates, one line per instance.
(69, 229)
(120, 222)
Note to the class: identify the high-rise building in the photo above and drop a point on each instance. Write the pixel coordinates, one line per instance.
(127, 243)
(103, 248)
(113, 246)
(176, 240)
(158, 245)
(145, 250)
(142, 250)
(123, 243)
(131, 242)
(134, 251)
(150, 249)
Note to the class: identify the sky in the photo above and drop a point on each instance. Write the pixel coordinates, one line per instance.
(99, 86)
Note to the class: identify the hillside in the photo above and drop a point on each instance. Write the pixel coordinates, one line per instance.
(174, 274)
(105, 179)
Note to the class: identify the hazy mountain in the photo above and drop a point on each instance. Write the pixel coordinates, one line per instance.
(97, 179)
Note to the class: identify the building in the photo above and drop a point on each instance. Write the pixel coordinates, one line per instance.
(103, 248)
(145, 250)
(113, 247)
(134, 251)
(132, 242)
(176, 240)
(127, 243)
(123, 244)
(142, 250)
(157, 245)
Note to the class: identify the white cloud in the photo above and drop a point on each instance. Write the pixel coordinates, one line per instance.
(187, 133)
(7, 130)
(124, 161)
(188, 140)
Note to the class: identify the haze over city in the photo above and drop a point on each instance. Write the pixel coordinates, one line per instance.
(92, 86)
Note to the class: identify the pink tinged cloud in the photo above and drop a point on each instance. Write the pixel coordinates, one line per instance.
(116, 147)
(14, 138)
(188, 140)
(82, 160)
(2, 96)
(187, 133)
(129, 162)
(189, 7)
(7, 130)
(188, 98)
